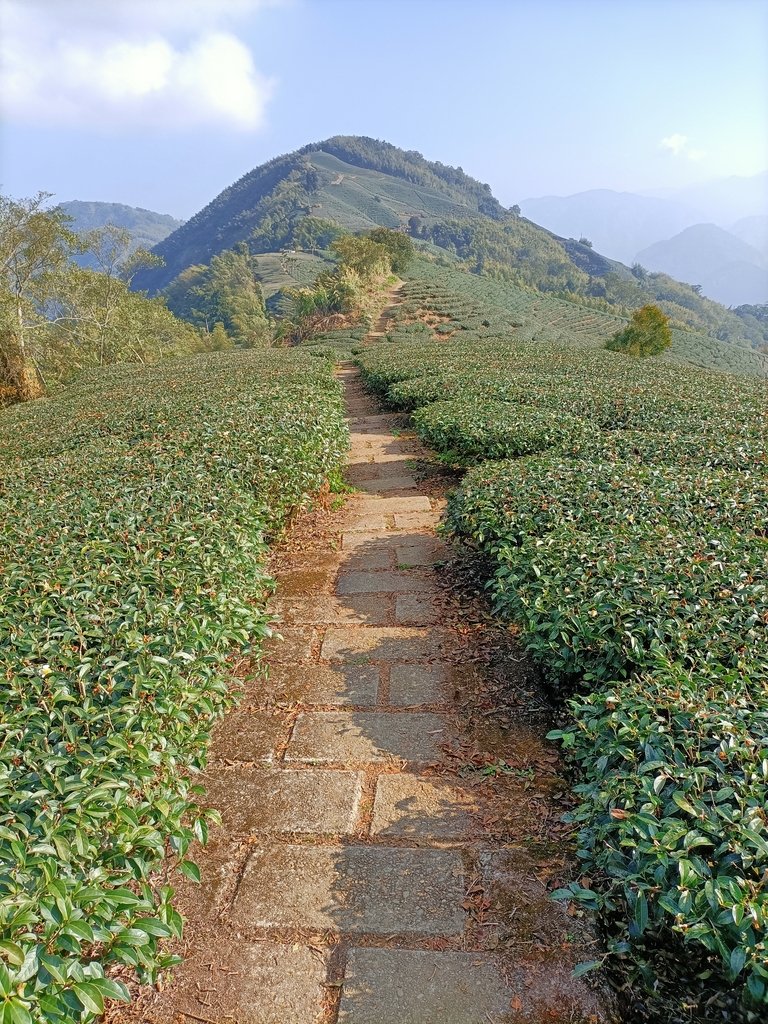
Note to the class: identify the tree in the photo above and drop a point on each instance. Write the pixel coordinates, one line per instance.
(315, 233)
(398, 245)
(226, 291)
(515, 210)
(219, 340)
(35, 246)
(639, 271)
(93, 319)
(647, 334)
(362, 255)
(57, 318)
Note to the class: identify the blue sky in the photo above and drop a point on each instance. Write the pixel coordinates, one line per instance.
(162, 103)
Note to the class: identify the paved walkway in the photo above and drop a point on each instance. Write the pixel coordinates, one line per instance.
(356, 880)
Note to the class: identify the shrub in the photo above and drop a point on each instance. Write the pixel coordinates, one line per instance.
(647, 334)
(633, 555)
(136, 510)
(467, 429)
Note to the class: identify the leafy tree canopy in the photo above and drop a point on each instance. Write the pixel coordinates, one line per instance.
(398, 245)
(227, 292)
(647, 334)
(57, 318)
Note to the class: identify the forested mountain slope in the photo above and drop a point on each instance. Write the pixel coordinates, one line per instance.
(299, 200)
(146, 227)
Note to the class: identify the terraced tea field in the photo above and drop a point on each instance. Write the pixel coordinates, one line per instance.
(621, 505)
(136, 509)
(475, 307)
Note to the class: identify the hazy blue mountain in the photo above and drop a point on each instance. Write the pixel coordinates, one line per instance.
(727, 268)
(146, 227)
(723, 200)
(618, 224)
(753, 231)
(357, 183)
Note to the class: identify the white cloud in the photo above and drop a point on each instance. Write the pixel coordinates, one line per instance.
(676, 143)
(169, 64)
(679, 145)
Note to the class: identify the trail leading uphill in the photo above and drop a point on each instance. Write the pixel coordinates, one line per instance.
(391, 814)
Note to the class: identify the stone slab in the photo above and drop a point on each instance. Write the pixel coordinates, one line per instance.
(420, 551)
(392, 506)
(379, 555)
(320, 684)
(363, 644)
(362, 471)
(248, 736)
(247, 983)
(411, 685)
(293, 644)
(405, 986)
(415, 610)
(409, 806)
(368, 444)
(365, 736)
(416, 520)
(311, 577)
(375, 436)
(381, 582)
(328, 609)
(379, 419)
(364, 522)
(350, 541)
(353, 889)
(390, 483)
(395, 456)
(278, 800)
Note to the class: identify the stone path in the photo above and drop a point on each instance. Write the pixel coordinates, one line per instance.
(352, 881)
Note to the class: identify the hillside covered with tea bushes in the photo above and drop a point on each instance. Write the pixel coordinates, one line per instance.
(620, 507)
(288, 211)
(137, 507)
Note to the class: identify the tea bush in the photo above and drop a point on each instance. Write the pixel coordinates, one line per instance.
(467, 429)
(631, 548)
(136, 510)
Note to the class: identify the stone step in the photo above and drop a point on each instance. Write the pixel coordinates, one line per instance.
(366, 737)
(390, 506)
(365, 470)
(374, 609)
(320, 684)
(250, 983)
(366, 644)
(416, 610)
(406, 986)
(418, 520)
(411, 685)
(387, 483)
(408, 806)
(278, 800)
(383, 581)
(352, 889)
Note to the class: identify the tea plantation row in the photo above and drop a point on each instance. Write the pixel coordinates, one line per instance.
(472, 307)
(623, 509)
(136, 510)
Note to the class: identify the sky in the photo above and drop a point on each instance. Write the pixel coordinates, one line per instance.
(163, 103)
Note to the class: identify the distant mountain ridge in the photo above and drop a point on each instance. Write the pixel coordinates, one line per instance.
(146, 227)
(357, 183)
(722, 200)
(652, 229)
(726, 268)
(619, 224)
